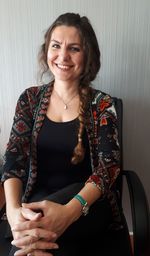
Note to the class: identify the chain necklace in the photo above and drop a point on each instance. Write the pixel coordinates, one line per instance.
(66, 103)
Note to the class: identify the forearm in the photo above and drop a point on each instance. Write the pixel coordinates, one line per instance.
(13, 193)
(90, 193)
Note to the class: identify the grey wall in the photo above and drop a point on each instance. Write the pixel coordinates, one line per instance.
(123, 31)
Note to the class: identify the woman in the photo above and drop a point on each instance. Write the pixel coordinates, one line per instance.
(63, 152)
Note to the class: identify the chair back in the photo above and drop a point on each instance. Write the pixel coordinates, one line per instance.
(119, 181)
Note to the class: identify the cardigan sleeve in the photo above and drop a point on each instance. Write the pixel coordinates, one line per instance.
(16, 157)
(106, 164)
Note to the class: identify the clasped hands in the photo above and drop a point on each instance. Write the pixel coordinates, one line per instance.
(39, 231)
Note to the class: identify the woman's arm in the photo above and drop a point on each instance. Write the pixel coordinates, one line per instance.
(13, 193)
(106, 163)
(14, 174)
(90, 193)
(18, 147)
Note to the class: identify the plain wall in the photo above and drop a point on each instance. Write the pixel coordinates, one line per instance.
(123, 32)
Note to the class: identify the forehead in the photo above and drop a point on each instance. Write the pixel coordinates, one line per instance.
(63, 33)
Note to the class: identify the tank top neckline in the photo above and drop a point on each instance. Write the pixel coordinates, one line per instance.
(61, 123)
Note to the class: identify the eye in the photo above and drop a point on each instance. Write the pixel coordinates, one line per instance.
(75, 49)
(55, 46)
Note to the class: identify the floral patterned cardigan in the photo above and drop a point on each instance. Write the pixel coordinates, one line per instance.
(21, 152)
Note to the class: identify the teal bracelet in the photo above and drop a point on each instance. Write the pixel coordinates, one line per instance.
(85, 207)
(80, 199)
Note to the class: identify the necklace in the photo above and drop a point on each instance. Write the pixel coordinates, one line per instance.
(66, 103)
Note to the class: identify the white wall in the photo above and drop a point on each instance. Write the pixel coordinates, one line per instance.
(123, 31)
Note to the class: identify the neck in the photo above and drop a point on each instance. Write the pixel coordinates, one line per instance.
(67, 94)
(66, 89)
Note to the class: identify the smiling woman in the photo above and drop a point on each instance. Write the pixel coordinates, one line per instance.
(65, 54)
(63, 161)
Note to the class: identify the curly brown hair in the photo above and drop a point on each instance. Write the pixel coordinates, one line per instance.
(91, 67)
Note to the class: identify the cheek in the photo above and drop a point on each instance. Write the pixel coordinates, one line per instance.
(50, 56)
(81, 62)
(50, 60)
(80, 59)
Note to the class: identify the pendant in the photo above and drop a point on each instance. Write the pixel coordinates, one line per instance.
(65, 107)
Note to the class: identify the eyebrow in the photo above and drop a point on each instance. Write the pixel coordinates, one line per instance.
(53, 40)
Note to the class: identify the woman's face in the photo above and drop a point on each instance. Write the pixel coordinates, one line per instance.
(65, 56)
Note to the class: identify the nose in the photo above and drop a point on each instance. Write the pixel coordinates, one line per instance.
(64, 54)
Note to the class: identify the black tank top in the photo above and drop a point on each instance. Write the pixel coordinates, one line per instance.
(55, 145)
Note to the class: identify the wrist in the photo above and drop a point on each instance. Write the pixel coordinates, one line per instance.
(12, 206)
(84, 204)
(12, 211)
(14, 216)
(74, 209)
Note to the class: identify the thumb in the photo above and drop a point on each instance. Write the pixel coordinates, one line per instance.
(30, 215)
(34, 206)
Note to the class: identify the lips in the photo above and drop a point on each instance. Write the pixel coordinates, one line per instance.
(63, 67)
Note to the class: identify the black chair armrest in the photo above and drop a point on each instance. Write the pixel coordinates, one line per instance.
(140, 214)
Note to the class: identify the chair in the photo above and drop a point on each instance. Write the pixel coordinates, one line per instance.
(139, 205)
(117, 243)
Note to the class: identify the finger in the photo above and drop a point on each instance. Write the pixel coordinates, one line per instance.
(43, 234)
(36, 253)
(22, 242)
(39, 253)
(39, 245)
(43, 245)
(33, 206)
(31, 215)
(26, 225)
(33, 236)
(18, 235)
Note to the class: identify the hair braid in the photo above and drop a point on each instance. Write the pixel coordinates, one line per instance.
(79, 150)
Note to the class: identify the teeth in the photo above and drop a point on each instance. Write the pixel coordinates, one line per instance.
(62, 66)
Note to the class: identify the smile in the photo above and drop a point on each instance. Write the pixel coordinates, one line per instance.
(63, 67)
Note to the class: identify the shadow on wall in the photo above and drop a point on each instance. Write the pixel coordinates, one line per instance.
(136, 145)
(137, 138)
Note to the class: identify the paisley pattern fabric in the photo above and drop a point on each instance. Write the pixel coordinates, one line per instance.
(21, 152)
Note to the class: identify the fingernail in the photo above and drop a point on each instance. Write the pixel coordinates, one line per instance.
(14, 228)
(54, 235)
(16, 253)
(55, 246)
(12, 242)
